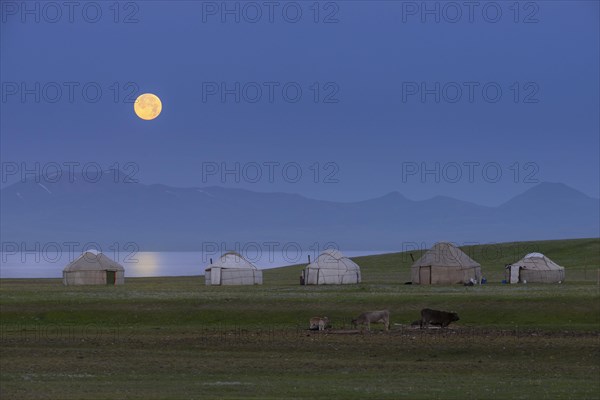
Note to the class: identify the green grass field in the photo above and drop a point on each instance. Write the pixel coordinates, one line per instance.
(165, 338)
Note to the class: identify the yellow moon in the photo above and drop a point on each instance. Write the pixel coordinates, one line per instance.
(147, 106)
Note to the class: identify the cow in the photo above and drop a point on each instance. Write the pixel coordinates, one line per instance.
(369, 317)
(435, 317)
(318, 323)
(418, 323)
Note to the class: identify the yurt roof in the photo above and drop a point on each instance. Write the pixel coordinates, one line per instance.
(534, 255)
(537, 261)
(92, 260)
(232, 259)
(445, 254)
(334, 259)
(332, 253)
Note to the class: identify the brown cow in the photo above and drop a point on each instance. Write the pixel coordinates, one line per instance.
(369, 317)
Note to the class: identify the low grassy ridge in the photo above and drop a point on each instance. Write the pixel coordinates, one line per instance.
(176, 338)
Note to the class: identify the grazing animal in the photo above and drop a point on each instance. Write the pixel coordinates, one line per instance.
(369, 317)
(418, 323)
(318, 323)
(435, 317)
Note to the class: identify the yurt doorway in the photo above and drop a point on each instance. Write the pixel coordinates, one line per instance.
(111, 277)
(215, 276)
(425, 275)
(515, 272)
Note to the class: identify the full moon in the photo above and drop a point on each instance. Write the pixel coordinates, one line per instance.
(147, 106)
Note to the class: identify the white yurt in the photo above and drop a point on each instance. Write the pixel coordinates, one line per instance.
(232, 269)
(93, 268)
(535, 268)
(331, 268)
(445, 264)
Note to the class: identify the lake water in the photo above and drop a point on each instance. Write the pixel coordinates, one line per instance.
(142, 264)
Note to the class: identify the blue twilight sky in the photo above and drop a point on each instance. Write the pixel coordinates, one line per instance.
(376, 96)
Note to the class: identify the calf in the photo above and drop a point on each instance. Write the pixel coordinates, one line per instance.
(435, 317)
(318, 323)
(369, 317)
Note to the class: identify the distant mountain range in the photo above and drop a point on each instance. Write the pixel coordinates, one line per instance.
(164, 218)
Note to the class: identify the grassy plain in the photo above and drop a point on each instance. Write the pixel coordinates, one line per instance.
(163, 338)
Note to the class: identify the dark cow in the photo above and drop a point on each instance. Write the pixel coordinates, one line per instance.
(418, 323)
(435, 317)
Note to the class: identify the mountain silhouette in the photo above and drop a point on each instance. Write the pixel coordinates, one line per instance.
(163, 218)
